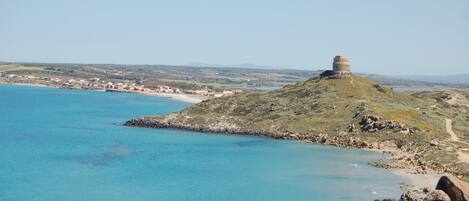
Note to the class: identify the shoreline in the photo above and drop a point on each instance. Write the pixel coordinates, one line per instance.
(188, 98)
(416, 180)
(28, 84)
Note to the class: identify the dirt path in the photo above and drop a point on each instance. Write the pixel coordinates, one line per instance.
(449, 129)
(462, 156)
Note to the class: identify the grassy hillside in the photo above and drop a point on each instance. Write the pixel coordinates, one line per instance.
(314, 106)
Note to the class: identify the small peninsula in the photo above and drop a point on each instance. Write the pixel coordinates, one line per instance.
(427, 132)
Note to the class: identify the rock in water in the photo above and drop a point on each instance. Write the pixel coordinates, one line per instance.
(456, 189)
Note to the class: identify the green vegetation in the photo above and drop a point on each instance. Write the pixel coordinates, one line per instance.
(323, 105)
(19, 68)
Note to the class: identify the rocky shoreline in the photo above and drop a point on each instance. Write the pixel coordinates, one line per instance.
(350, 142)
(400, 155)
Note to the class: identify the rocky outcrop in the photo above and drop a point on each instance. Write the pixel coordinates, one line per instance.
(410, 196)
(373, 123)
(432, 195)
(437, 195)
(456, 189)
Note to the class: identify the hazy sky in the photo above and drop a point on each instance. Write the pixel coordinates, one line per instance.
(388, 37)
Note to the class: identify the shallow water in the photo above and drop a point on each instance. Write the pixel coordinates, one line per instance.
(58, 145)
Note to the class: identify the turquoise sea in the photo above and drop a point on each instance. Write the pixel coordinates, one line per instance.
(65, 145)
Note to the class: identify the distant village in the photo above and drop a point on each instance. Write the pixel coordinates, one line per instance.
(100, 84)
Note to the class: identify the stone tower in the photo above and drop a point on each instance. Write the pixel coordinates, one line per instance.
(341, 66)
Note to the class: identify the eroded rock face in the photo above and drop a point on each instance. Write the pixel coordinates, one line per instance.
(456, 189)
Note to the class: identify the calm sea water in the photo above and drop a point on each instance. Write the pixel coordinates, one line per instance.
(63, 145)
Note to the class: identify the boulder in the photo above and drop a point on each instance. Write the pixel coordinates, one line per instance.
(323, 138)
(456, 189)
(437, 195)
(350, 127)
(409, 196)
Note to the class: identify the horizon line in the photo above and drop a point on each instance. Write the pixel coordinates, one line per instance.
(257, 67)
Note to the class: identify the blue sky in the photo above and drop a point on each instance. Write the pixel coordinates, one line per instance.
(395, 37)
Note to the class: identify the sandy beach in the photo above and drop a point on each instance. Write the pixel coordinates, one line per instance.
(418, 181)
(179, 96)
